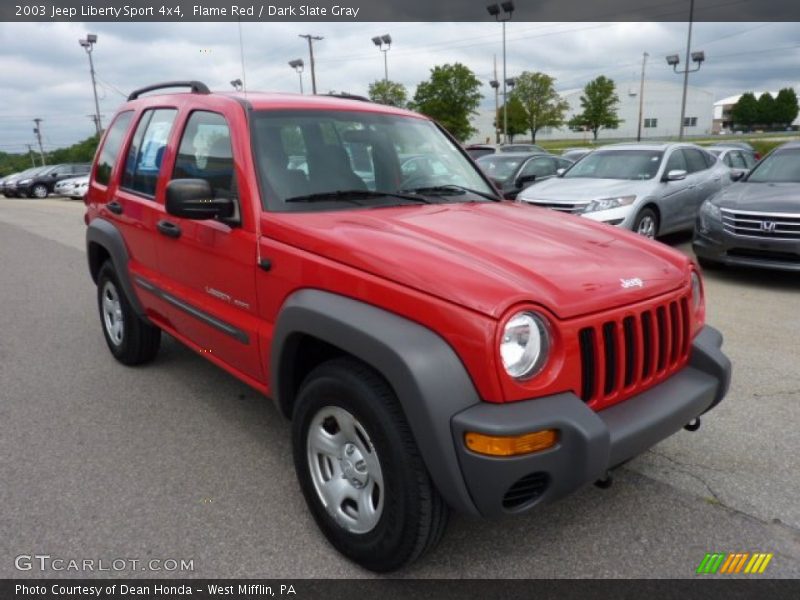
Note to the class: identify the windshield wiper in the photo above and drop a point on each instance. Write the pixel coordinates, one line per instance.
(451, 189)
(353, 195)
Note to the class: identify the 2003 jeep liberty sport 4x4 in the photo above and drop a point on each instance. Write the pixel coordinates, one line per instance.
(434, 346)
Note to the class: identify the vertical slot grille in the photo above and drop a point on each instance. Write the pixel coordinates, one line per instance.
(631, 352)
(610, 343)
(588, 364)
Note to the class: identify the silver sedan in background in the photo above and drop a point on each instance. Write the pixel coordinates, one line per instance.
(652, 189)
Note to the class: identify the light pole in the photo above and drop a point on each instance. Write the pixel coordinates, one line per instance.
(641, 98)
(384, 42)
(496, 87)
(237, 84)
(311, 39)
(88, 44)
(674, 60)
(38, 132)
(298, 64)
(494, 11)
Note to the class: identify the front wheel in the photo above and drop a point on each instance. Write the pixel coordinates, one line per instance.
(360, 469)
(39, 191)
(646, 223)
(131, 340)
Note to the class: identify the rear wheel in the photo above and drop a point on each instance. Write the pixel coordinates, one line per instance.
(39, 191)
(131, 340)
(360, 469)
(646, 223)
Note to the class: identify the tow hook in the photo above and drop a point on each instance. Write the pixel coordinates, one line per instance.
(692, 425)
(606, 482)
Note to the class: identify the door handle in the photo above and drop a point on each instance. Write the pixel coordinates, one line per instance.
(168, 228)
(115, 207)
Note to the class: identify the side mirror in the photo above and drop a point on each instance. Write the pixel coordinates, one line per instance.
(54, 175)
(524, 181)
(560, 172)
(675, 175)
(737, 175)
(193, 199)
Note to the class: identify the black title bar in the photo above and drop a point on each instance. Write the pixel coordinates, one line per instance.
(397, 10)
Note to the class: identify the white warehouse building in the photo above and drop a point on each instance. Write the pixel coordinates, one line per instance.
(660, 115)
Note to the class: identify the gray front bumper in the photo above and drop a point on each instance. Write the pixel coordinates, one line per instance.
(590, 442)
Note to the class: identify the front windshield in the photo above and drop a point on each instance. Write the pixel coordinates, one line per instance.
(617, 164)
(782, 166)
(500, 167)
(340, 158)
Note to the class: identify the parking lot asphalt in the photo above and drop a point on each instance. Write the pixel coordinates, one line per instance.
(179, 460)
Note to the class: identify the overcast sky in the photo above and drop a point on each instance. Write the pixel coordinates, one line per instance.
(45, 72)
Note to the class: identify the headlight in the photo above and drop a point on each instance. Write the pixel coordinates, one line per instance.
(710, 210)
(608, 203)
(24, 182)
(697, 292)
(524, 345)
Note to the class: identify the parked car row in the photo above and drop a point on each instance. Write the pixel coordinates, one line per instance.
(39, 182)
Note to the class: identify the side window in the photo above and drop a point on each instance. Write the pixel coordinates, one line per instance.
(676, 162)
(147, 151)
(727, 159)
(695, 160)
(111, 147)
(205, 153)
(541, 167)
(749, 160)
(737, 161)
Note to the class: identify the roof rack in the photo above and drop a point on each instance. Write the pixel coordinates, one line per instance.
(197, 87)
(348, 96)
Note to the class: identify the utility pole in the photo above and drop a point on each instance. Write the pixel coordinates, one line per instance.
(38, 131)
(686, 70)
(641, 98)
(311, 39)
(94, 119)
(496, 104)
(87, 44)
(30, 152)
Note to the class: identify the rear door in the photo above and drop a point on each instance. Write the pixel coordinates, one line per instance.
(209, 266)
(137, 201)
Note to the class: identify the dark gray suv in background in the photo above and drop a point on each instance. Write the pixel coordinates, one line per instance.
(755, 222)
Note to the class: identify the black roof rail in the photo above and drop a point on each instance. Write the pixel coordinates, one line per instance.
(197, 87)
(348, 96)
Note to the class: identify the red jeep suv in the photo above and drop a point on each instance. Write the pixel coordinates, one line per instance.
(435, 346)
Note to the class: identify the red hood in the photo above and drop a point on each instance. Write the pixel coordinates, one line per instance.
(489, 256)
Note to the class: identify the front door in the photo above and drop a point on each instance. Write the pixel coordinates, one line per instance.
(209, 266)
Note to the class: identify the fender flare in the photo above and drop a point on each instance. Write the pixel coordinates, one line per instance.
(106, 235)
(431, 383)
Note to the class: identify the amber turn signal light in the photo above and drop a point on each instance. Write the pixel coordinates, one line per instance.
(511, 445)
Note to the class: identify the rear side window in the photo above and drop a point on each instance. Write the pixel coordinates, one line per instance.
(146, 151)
(111, 147)
(205, 153)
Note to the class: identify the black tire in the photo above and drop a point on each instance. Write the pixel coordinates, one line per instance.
(414, 515)
(38, 191)
(645, 216)
(138, 341)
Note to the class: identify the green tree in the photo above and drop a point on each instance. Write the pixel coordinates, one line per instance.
(745, 112)
(388, 92)
(786, 108)
(517, 121)
(450, 96)
(542, 105)
(766, 110)
(599, 103)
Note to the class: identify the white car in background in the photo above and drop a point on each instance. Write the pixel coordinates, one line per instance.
(74, 188)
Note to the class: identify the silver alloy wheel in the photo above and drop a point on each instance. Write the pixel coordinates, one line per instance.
(40, 191)
(112, 313)
(345, 469)
(647, 227)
